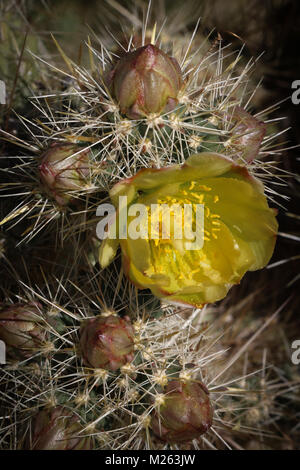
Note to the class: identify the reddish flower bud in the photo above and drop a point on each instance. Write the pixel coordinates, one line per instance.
(146, 81)
(107, 342)
(21, 329)
(65, 168)
(184, 414)
(57, 429)
(247, 133)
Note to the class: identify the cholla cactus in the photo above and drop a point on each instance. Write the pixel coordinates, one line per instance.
(177, 390)
(127, 121)
(159, 119)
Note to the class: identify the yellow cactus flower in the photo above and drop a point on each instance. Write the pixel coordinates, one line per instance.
(238, 229)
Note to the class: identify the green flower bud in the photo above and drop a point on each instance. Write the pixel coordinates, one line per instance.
(146, 81)
(107, 342)
(21, 329)
(57, 429)
(65, 168)
(184, 413)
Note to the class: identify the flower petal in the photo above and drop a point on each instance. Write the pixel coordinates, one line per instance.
(243, 210)
(107, 252)
(207, 164)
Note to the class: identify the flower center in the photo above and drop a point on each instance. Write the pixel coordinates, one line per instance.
(169, 254)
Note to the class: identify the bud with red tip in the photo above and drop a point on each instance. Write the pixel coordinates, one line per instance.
(107, 342)
(21, 329)
(57, 429)
(146, 81)
(184, 413)
(65, 168)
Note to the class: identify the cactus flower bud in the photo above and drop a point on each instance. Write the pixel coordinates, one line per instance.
(57, 429)
(107, 342)
(247, 133)
(185, 413)
(65, 168)
(145, 81)
(21, 329)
